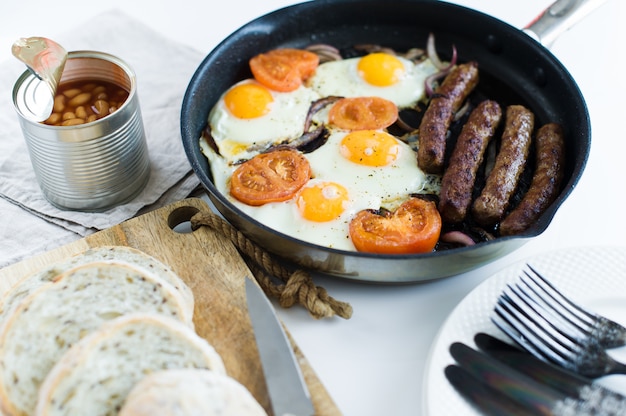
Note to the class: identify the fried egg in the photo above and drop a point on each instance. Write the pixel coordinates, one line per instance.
(352, 171)
(378, 74)
(249, 117)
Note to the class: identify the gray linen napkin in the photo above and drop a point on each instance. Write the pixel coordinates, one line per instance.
(163, 69)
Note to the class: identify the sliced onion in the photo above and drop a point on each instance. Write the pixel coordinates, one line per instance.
(316, 106)
(307, 138)
(373, 48)
(430, 81)
(414, 53)
(464, 109)
(443, 68)
(403, 125)
(325, 52)
(453, 59)
(432, 52)
(457, 237)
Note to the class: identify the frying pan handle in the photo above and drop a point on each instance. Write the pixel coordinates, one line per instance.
(558, 18)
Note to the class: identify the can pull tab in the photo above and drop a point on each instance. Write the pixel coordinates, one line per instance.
(46, 60)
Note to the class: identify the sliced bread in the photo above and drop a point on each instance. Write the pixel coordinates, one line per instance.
(59, 313)
(190, 392)
(118, 254)
(95, 376)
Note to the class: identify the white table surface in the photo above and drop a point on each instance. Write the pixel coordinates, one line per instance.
(372, 364)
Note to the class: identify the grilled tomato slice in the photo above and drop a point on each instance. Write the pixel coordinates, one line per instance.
(270, 177)
(363, 113)
(412, 228)
(283, 69)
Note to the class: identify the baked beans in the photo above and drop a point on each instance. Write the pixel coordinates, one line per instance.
(80, 102)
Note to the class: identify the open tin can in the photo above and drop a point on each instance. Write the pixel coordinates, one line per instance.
(92, 166)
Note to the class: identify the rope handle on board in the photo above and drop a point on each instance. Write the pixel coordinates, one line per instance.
(298, 286)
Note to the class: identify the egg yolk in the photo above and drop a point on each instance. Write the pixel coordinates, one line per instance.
(369, 147)
(248, 100)
(380, 69)
(322, 202)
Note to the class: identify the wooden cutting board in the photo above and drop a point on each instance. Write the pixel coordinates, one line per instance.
(214, 271)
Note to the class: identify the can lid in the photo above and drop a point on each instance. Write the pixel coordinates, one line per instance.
(33, 98)
(45, 59)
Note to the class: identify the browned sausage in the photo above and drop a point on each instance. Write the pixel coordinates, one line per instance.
(490, 206)
(458, 180)
(546, 182)
(446, 101)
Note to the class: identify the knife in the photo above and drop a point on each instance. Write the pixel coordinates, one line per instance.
(532, 394)
(559, 378)
(287, 389)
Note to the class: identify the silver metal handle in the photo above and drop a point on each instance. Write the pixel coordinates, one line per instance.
(558, 18)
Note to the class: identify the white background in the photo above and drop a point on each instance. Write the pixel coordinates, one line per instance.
(372, 364)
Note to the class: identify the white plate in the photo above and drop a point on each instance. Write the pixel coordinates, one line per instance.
(594, 277)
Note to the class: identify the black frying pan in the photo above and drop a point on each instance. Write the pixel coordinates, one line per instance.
(514, 68)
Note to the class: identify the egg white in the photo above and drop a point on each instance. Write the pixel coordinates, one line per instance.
(341, 78)
(239, 139)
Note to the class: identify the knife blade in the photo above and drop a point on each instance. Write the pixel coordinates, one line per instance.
(559, 378)
(485, 399)
(287, 389)
(541, 398)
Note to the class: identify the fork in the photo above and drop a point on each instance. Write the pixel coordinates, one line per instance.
(518, 316)
(584, 323)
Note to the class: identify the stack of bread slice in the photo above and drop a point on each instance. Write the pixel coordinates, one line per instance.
(76, 337)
